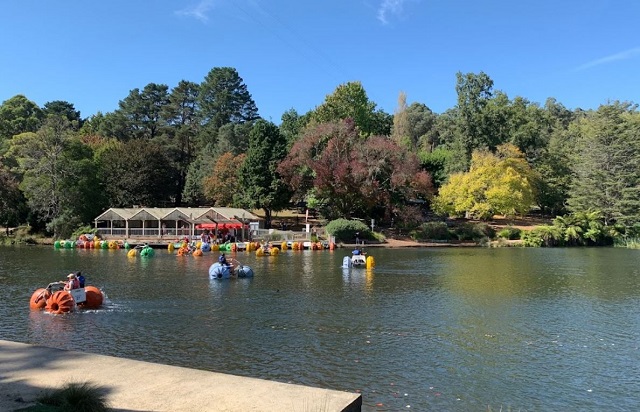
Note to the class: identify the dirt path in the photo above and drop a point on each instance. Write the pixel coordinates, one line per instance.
(397, 243)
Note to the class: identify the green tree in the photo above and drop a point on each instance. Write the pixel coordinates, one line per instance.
(91, 126)
(11, 199)
(606, 165)
(57, 175)
(19, 115)
(474, 93)
(292, 125)
(350, 101)
(528, 128)
(234, 138)
(224, 98)
(401, 132)
(261, 185)
(552, 160)
(435, 163)
(199, 169)
(137, 172)
(64, 109)
(181, 114)
(423, 131)
(451, 139)
(554, 169)
(140, 113)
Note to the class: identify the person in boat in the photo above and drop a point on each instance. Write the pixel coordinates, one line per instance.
(72, 282)
(266, 248)
(80, 278)
(223, 260)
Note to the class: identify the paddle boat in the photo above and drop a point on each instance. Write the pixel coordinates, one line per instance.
(55, 299)
(358, 258)
(221, 271)
(142, 250)
(267, 250)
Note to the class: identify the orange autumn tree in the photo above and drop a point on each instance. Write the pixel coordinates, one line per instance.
(220, 187)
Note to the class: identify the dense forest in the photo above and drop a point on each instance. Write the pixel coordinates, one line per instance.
(205, 144)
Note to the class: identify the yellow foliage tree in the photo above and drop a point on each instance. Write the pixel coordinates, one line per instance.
(499, 183)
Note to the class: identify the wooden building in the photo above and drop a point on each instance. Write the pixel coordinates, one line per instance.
(174, 223)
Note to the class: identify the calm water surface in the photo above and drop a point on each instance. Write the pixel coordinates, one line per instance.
(427, 329)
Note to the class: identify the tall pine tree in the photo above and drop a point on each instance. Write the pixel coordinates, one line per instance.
(606, 167)
(261, 186)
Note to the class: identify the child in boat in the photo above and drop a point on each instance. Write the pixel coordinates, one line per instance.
(72, 283)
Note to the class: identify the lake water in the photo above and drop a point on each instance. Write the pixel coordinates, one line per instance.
(446, 329)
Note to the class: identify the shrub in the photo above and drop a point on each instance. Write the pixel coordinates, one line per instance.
(629, 243)
(531, 239)
(545, 235)
(80, 397)
(345, 230)
(62, 226)
(432, 231)
(5, 240)
(500, 242)
(634, 230)
(408, 217)
(22, 234)
(509, 232)
(474, 231)
(83, 230)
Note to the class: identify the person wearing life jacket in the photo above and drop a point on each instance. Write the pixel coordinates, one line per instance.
(223, 260)
(72, 283)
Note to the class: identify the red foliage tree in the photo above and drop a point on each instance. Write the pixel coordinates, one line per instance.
(353, 177)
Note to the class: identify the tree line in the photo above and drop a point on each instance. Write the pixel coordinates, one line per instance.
(205, 144)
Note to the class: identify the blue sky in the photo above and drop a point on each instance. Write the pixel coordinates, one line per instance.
(291, 54)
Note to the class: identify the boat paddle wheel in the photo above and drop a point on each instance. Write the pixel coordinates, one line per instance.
(232, 269)
(55, 299)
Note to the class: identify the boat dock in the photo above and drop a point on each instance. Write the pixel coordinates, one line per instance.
(27, 371)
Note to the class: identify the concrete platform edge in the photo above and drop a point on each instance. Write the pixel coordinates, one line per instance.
(26, 371)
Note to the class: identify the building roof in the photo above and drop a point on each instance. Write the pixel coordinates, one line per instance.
(190, 214)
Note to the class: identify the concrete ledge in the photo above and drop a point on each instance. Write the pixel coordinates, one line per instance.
(27, 370)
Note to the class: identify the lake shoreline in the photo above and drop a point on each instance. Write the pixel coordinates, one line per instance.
(387, 243)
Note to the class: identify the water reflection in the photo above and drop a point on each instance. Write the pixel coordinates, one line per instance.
(436, 329)
(53, 330)
(358, 278)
